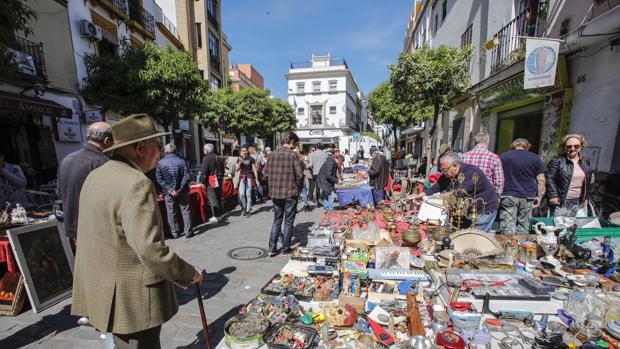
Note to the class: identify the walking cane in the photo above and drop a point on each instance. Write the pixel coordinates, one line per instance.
(205, 327)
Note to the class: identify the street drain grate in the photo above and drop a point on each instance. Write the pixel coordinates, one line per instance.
(247, 253)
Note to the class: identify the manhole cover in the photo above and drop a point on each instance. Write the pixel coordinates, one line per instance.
(247, 253)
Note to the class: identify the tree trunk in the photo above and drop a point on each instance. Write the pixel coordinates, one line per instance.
(394, 130)
(429, 142)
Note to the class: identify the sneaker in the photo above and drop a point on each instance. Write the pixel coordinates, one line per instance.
(175, 235)
(272, 253)
(213, 220)
(83, 321)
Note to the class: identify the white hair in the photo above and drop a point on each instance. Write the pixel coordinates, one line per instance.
(451, 158)
(170, 148)
(209, 148)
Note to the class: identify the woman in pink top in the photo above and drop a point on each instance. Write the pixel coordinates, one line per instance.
(569, 176)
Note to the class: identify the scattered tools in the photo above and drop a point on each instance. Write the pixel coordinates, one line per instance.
(525, 316)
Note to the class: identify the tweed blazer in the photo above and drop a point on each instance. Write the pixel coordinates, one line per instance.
(124, 273)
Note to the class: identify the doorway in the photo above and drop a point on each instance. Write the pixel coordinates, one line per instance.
(524, 122)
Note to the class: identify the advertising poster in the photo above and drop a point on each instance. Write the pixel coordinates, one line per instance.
(541, 59)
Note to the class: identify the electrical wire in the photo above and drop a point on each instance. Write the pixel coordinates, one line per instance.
(592, 54)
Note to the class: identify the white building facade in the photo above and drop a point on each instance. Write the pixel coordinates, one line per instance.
(327, 101)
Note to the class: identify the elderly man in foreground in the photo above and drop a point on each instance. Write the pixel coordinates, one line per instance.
(451, 167)
(124, 273)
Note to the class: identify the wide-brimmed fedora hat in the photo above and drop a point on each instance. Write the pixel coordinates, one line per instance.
(134, 128)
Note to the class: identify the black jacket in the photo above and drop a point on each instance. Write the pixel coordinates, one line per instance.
(326, 178)
(212, 164)
(72, 173)
(379, 172)
(559, 174)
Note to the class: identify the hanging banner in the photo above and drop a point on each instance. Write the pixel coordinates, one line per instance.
(541, 60)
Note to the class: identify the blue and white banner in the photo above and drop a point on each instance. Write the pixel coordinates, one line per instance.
(541, 60)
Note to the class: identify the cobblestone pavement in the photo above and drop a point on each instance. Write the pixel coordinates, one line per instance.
(228, 285)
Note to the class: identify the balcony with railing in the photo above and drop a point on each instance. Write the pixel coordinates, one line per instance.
(509, 42)
(336, 62)
(29, 59)
(116, 7)
(142, 20)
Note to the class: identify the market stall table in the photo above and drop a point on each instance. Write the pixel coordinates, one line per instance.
(361, 194)
(6, 255)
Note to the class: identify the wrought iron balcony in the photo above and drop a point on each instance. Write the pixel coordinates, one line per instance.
(509, 46)
(29, 58)
(118, 7)
(143, 17)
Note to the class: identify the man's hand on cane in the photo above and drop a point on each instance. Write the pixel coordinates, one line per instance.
(197, 279)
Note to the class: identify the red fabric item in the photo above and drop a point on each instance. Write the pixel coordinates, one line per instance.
(6, 255)
(432, 179)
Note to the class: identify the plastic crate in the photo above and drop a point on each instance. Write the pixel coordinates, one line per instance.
(607, 228)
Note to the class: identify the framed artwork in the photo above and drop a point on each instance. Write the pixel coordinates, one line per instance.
(45, 259)
(11, 293)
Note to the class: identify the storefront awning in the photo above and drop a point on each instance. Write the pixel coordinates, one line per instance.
(18, 103)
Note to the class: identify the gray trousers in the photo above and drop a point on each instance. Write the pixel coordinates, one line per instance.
(515, 215)
(173, 213)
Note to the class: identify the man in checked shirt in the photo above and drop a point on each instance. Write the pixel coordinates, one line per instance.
(284, 174)
(487, 161)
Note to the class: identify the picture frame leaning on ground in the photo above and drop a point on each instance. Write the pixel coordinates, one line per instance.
(45, 260)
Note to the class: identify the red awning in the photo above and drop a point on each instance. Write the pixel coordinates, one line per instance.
(16, 102)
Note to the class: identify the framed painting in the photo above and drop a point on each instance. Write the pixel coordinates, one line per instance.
(45, 259)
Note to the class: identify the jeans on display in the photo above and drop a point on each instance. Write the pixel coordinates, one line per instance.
(182, 199)
(214, 195)
(283, 210)
(245, 193)
(378, 195)
(485, 221)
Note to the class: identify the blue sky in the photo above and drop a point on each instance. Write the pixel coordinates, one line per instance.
(368, 34)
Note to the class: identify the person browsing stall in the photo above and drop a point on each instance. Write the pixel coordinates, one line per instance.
(124, 272)
(487, 161)
(173, 177)
(451, 167)
(570, 177)
(524, 188)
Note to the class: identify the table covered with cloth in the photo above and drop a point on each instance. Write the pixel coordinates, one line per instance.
(6, 254)
(198, 202)
(361, 194)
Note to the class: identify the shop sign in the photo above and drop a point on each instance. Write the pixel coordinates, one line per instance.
(507, 92)
(24, 61)
(91, 116)
(316, 132)
(69, 129)
(184, 125)
(541, 59)
(9, 101)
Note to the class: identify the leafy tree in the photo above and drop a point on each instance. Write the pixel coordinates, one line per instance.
(284, 118)
(372, 135)
(216, 104)
(387, 109)
(161, 82)
(431, 77)
(251, 113)
(15, 17)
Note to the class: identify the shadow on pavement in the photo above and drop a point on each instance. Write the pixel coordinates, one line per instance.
(300, 233)
(49, 324)
(216, 331)
(212, 284)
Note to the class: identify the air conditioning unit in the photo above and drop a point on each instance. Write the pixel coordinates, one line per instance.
(89, 30)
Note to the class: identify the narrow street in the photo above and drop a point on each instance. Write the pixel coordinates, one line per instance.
(228, 284)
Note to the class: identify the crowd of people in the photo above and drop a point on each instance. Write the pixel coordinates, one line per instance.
(124, 273)
(516, 182)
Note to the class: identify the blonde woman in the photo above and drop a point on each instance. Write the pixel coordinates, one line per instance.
(569, 176)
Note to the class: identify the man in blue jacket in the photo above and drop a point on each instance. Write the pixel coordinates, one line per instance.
(173, 176)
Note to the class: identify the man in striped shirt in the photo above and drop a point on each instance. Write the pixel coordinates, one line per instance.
(487, 161)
